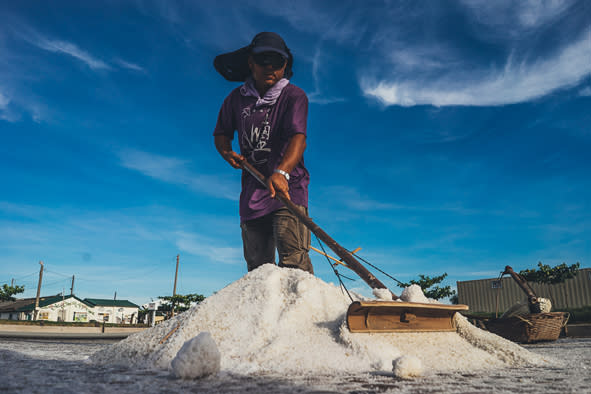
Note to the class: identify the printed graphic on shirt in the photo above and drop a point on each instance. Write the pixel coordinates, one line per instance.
(255, 136)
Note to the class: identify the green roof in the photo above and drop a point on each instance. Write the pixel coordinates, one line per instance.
(107, 302)
(29, 304)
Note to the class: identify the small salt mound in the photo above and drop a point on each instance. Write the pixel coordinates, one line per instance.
(407, 367)
(382, 294)
(286, 321)
(413, 293)
(199, 357)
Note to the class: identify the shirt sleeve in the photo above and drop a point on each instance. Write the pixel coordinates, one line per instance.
(296, 115)
(226, 123)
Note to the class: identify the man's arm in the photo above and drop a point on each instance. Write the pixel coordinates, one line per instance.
(224, 145)
(293, 154)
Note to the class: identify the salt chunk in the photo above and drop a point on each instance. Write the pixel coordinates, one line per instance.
(382, 294)
(407, 367)
(199, 357)
(545, 305)
(413, 293)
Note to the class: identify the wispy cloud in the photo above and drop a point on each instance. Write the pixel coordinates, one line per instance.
(73, 50)
(318, 96)
(14, 107)
(69, 48)
(355, 200)
(5, 111)
(177, 171)
(408, 65)
(514, 16)
(130, 66)
(517, 82)
(3, 101)
(209, 248)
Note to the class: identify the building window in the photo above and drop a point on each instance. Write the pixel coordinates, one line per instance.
(80, 316)
(496, 284)
(103, 317)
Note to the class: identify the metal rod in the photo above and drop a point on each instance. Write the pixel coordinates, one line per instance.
(329, 256)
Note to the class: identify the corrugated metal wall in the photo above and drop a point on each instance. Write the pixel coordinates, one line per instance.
(480, 295)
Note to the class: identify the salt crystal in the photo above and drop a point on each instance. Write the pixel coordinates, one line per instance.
(413, 293)
(407, 367)
(199, 357)
(382, 294)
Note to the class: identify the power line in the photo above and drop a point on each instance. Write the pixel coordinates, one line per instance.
(19, 278)
(57, 273)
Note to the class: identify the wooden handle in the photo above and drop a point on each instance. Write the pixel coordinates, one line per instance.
(347, 257)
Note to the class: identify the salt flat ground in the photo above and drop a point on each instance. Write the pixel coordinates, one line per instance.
(46, 366)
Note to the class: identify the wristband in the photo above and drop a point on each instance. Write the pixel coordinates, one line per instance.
(285, 174)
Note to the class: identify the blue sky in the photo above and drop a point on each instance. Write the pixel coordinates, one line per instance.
(442, 137)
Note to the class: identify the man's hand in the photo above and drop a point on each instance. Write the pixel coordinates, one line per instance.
(233, 158)
(278, 185)
(224, 146)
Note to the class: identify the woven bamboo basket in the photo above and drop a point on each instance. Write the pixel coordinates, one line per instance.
(530, 328)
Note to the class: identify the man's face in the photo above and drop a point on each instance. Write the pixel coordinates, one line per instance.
(267, 68)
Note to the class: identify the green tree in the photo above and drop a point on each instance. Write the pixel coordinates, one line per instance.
(428, 283)
(180, 302)
(7, 292)
(551, 275)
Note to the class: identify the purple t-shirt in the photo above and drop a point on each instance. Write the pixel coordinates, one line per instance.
(264, 133)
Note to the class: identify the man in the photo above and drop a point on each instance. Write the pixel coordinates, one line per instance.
(270, 116)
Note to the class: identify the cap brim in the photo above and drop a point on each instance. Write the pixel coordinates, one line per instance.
(269, 49)
(233, 65)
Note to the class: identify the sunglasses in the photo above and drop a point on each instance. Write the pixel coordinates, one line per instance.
(269, 58)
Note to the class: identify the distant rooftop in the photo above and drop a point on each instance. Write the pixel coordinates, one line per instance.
(107, 302)
(28, 304)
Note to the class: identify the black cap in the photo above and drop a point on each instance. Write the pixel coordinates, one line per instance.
(269, 42)
(234, 65)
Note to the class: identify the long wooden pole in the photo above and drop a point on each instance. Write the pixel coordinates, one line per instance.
(36, 312)
(532, 299)
(347, 257)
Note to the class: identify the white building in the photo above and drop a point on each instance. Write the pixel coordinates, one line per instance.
(71, 309)
(113, 311)
(54, 308)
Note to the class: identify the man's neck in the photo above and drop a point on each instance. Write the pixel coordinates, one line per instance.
(262, 89)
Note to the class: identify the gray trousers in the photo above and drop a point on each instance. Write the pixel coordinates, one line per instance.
(279, 230)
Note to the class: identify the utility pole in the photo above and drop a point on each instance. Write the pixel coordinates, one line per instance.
(36, 312)
(114, 313)
(176, 273)
(72, 288)
(63, 304)
(12, 282)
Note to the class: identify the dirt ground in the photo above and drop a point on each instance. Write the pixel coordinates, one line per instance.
(49, 366)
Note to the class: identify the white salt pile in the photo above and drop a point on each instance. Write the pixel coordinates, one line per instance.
(286, 321)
